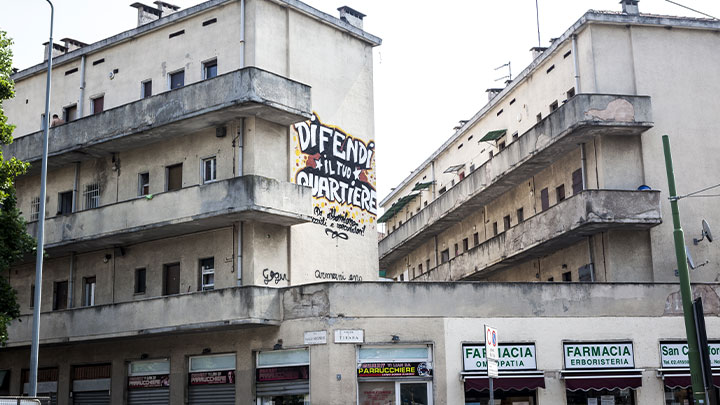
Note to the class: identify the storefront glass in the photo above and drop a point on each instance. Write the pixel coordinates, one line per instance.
(392, 393)
(513, 397)
(282, 377)
(601, 397)
(682, 396)
(398, 375)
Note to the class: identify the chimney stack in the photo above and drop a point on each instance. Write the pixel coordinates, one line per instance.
(493, 92)
(630, 7)
(352, 17)
(166, 8)
(57, 50)
(72, 44)
(537, 51)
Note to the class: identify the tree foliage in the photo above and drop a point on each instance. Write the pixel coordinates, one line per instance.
(14, 240)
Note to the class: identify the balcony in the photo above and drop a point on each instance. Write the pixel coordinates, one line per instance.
(191, 209)
(584, 214)
(582, 118)
(226, 308)
(243, 93)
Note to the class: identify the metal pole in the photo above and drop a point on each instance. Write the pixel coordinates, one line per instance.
(537, 15)
(492, 391)
(685, 290)
(41, 224)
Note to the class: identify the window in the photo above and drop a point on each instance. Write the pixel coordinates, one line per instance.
(567, 54)
(460, 146)
(140, 285)
(570, 93)
(472, 167)
(146, 89)
(491, 154)
(174, 177)
(89, 291)
(499, 112)
(550, 69)
(32, 295)
(567, 276)
(554, 106)
(501, 146)
(60, 295)
(177, 79)
(171, 279)
(207, 274)
(143, 184)
(539, 117)
(495, 229)
(65, 200)
(577, 181)
(515, 135)
(442, 190)
(466, 245)
(506, 222)
(71, 71)
(176, 34)
(445, 256)
(209, 170)
(457, 250)
(544, 199)
(551, 279)
(427, 264)
(512, 101)
(520, 215)
(461, 175)
(91, 196)
(560, 192)
(209, 69)
(208, 22)
(98, 104)
(35, 209)
(99, 61)
(420, 268)
(402, 277)
(476, 239)
(70, 113)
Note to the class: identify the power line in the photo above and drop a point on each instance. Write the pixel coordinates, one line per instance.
(692, 9)
(693, 194)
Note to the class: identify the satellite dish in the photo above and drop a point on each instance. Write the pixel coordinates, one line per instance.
(690, 261)
(704, 234)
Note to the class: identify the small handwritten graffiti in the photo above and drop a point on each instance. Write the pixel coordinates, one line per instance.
(335, 234)
(269, 275)
(321, 275)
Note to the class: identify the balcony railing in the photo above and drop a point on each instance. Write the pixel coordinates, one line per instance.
(582, 118)
(560, 226)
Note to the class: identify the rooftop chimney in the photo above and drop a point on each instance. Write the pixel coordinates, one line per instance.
(537, 51)
(166, 8)
(72, 44)
(146, 14)
(630, 7)
(493, 92)
(57, 50)
(352, 17)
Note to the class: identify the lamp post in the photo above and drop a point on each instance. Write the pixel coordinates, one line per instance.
(34, 348)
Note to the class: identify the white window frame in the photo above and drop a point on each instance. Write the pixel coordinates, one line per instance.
(190, 360)
(140, 184)
(206, 271)
(429, 359)
(169, 78)
(213, 160)
(204, 64)
(142, 88)
(35, 209)
(90, 195)
(89, 294)
(132, 374)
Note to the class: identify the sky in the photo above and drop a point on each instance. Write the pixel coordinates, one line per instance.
(432, 70)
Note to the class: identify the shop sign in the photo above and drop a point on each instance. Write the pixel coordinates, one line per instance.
(148, 381)
(512, 357)
(318, 337)
(283, 373)
(349, 336)
(676, 354)
(397, 369)
(213, 377)
(598, 355)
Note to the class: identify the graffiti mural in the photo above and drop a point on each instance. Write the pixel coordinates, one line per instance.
(340, 169)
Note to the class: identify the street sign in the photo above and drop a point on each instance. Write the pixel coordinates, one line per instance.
(491, 343)
(492, 368)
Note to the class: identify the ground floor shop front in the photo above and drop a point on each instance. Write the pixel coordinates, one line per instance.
(355, 353)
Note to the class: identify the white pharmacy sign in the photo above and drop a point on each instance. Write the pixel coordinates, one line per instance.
(598, 355)
(491, 343)
(513, 357)
(676, 354)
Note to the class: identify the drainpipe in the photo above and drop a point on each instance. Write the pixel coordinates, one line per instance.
(583, 166)
(591, 254)
(81, 101)
(434, 186)
(437, 262)
(240, 136)
(71, 280)
(242, 34)
(75, 186)
(239, 253)
(575, 64)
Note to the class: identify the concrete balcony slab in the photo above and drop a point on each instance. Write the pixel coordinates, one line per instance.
(200, 311)
(560, 226)
(248, 92)
(188, 210)
(582, 118)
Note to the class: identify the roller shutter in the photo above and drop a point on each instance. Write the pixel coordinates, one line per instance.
(91, 398)
(149, 396)
(217, 394)
(280, 388)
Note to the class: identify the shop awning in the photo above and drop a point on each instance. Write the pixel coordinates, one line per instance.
(586, 380)
(395, 208)
(422, 186)
(493, 135)
(480, 383)
(680, 378)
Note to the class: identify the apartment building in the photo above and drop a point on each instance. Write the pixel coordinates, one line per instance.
(202, 150)
(561, 176)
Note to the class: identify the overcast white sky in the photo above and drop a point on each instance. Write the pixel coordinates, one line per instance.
(436, 61)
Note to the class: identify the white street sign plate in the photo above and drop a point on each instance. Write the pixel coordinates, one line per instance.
(492, 369)
(491, 343)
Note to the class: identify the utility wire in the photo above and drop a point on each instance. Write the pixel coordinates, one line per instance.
(700, 191)
(692, 9)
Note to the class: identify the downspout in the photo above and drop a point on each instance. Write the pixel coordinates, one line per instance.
(75, 186)
(575, 64)
(81, 101)
(437, 262)
(432, 173)
(583, 166)
(591, 254)
(71, 280)
(242, 34)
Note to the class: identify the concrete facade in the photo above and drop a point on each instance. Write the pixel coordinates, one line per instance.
(587, 114)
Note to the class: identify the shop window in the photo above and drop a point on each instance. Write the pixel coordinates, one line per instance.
(476, 239)
(174, 177)
(146, 89)
(70, 113)
(445, 256)
(176, 79)
(209, 170)
(171, 279)
(65, 200)
(91, 196)
(506, 222)
(148, 382)
(98, 104)
(143, 184)
(89, 284)
(35, 209)
(544, 199)
(466, 245)
(60, 295)
(560, 192)
(395, 389)
(495, 228)
(210, 69)
(207, 274)
(577, 181)
(140, 277)
(520, 215)
(599, 397)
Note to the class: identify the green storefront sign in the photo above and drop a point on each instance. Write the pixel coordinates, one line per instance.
(513, 357)
(598, 355)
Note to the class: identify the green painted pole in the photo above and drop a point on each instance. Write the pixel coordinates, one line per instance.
(698, 387)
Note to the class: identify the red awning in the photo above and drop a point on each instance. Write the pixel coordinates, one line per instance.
(505, 383)
(607, 379)
(681, 379)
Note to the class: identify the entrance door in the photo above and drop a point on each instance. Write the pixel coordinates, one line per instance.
(172, 279)
(414, 393)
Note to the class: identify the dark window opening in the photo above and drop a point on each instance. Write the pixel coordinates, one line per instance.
(544, 199)
(442, 190)
(571, 93)
(176, 34)
(32, 295)
(143, 184)
(495, 228)
(567, 54)
(577, 181)
(177, 80)
(554, 106)
(476, 239)
(207, 274)
(457, 250)
(470, 137)
(551, 278)
(491, 154)
(71, 71)
(550, 69)
(210, 69)
(520, 215)
(420, 268)
(506, 222)
(560, 192)
(70, 113)
(171, 279)
(174, 177)
(512, 101)
(65, 200)
(539, 117)
(60, 295)
(146, 88)
(460, 146)
(208, 22)
(445, 256)
(89, 284)
(99, 61)
(585, 273)
(461, 175)
(427, 264)
(98, 104)
(466, 245)
(515, 135)
(140, 285)
(499, 112)
(501, 145)
(567, 276)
